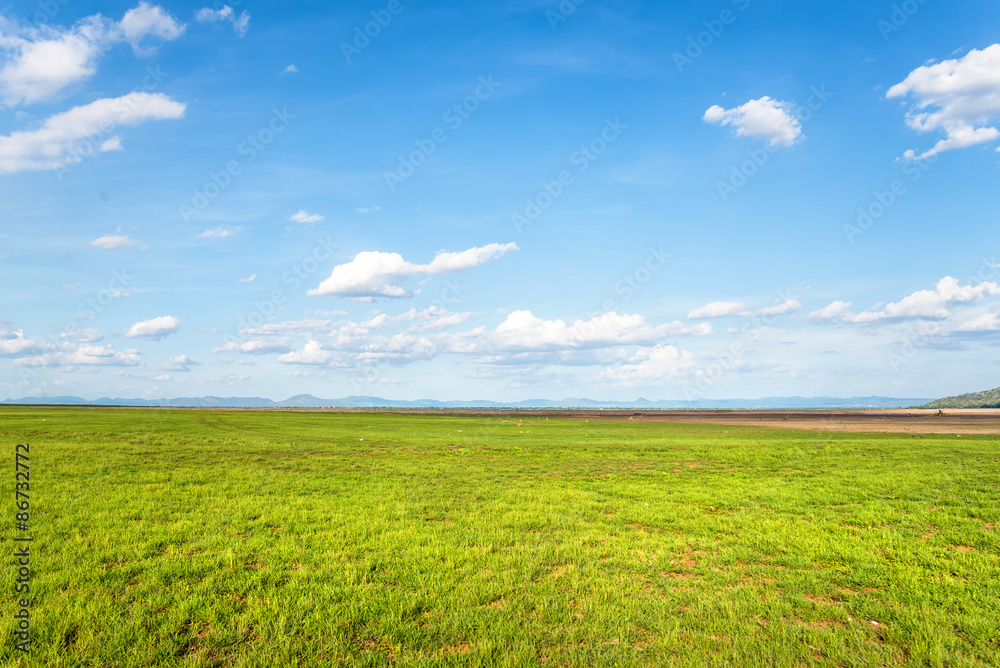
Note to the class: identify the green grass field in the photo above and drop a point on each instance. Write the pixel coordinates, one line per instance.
(203, 538)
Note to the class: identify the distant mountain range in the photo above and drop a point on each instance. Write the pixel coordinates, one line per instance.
(309, 401)
(987, 399)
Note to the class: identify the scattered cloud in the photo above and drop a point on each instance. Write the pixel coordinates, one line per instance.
(38, 63)
(763, 118)
(154, 329)
(219, 233)
(378, 274)
(652, 366)
(14, 342)
(738, 309)
(305, 217)
(249, 279)
(66, 138)
(834, 311)
(368, 209)
(240, 23)
(291, 69)
(180, 363)
(253, 347)
(83, 355)
(959, 98)
(113, 241)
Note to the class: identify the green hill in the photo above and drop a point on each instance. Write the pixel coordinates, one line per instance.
(987, 399)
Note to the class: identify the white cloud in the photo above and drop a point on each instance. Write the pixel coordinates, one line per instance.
(311, 354)
(787, 306)
(931, 304)
(834, 311)
(378, 274)
(84, 355)
(739, 310)
(253, 347)
(180, 363)
(240, 23)
(368, 209)
(163, 377)
(113, 241)
(249, 279)
(219, 233)
(291, 69)
(522, 330)
(652, 366)
(719, 310)
(154, 329)
(67, 137)
(305, 217)
(90, 335)
(959, 98)
(14, 342)
(987, 322)
(37, 63)
(923, 304)
(145, 20)
(765, 118)
(208, 15)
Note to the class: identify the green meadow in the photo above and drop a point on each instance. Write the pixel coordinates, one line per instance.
(241, 538)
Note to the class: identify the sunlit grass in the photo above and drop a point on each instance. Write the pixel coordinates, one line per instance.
(278, 538)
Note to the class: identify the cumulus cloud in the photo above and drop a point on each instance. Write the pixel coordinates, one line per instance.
(180, 363)
(763, 118)
(83, 355)
(931, 304)
(959, 98)
(37, 63)
(240, 23)
(66, 138)
(304, 217)
(923, 304)
(522, 330)
(145, 20)
(291, 69)
(13, 342)
(652, 365)
(154, 329)
(113, 241)
(377, 274)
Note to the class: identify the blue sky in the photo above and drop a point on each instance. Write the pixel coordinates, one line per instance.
(685, 200)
